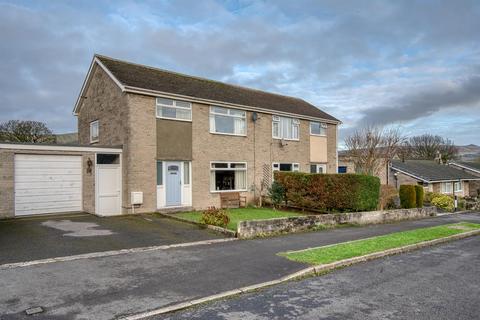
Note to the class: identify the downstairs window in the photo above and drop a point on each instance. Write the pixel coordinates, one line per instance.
(228, 176)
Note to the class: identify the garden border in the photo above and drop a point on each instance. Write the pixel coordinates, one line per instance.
(224, 231)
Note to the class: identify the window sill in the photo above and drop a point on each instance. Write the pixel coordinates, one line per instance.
(175, 119)
(296, 140)
(229, 134)
(226, 191)
(94, 141)
(318, 135)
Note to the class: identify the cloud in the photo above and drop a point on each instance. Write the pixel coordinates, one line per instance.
(350, 58)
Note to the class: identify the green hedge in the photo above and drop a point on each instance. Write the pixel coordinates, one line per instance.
(408, 196)
(330, 192)
(419, 194)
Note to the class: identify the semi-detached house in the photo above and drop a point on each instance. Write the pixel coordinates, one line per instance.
(185, 140)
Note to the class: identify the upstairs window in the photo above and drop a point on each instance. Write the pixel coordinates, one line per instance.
(228, 121)
(285, 128)
(94, 130)
(318, 128)
(174, 109)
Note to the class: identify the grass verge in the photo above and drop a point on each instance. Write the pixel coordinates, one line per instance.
(341, 251)
(242, 214)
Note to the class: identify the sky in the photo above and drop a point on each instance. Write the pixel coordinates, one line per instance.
(413, 65)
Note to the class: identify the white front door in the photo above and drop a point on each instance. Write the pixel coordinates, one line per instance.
(108, 189)
(173, 184)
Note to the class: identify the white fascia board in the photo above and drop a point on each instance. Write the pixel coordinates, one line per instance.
(58, 148)
(95, 60)
(154, 93)
(464, 167)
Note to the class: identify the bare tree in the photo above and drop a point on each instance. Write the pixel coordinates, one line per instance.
(430, 147)
(25, 131)
(372, 147)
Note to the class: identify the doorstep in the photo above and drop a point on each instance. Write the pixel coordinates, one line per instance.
(174, 209)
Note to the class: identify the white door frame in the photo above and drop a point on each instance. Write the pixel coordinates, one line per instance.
(186, 189)
(119, 165)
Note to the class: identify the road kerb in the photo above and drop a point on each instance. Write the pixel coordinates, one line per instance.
(300, 274)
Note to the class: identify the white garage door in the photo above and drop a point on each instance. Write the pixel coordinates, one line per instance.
(47, 184)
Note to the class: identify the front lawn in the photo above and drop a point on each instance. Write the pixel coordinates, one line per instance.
(242, 214)
(341, 251)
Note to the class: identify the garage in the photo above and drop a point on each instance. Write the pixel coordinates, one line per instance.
(47, 184)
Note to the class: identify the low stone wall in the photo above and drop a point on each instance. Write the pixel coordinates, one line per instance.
(256, 228)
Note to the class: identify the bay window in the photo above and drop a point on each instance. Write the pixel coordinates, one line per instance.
(285, 128)
(174, 109)
(228, 121)
(228, 176)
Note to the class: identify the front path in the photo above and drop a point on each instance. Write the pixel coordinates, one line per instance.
(104, 288)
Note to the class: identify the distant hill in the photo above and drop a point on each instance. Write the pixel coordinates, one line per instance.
(470, 152)
(67, 138)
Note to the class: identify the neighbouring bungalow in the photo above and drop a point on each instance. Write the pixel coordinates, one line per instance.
(474, 169)
(435, 177)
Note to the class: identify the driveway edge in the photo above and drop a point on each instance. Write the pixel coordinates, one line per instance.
(314, 270)
(111, 253)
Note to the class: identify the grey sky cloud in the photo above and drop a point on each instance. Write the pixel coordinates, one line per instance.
(348, 57)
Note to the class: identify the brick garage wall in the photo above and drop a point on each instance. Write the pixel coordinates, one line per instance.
(7, 177)
(258, 149)
(331, 146)
(7, 191)
(255, 228)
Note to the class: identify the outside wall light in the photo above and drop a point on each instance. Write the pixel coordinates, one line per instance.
(89, 166)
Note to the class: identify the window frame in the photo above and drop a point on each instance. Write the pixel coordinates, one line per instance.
(460, 184)
(295, 166)
(294, 122)
(92, 123)
(212, 114)
(323, 125)
(318, 165)
(159, 105)
(446, 190)
(228, 168)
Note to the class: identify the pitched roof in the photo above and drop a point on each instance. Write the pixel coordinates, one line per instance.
(431, 171)
(469, 165)
(144, 77)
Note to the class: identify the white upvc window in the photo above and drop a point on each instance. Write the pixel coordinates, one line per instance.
(318, 128)
(457, 186)
(228, 176)
(292, 167)
(94, 131)
(285, 128)
(318, 168)
(174, 109)
(228, 121)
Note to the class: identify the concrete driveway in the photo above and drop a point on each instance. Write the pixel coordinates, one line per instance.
(44, 237)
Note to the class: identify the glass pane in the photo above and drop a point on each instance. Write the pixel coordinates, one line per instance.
(159, 173)
(314, 128)
(167, 102)
(240, 180)
(225, 180)
(186, 173)
(224, 124)
(285, 167)
(183, 104)
(313, 168)
(239, 113)
(220, 165)
(108, 158)
(275, 130)
(169, 112)
(184, 114)
(220, 110)
(237, 165)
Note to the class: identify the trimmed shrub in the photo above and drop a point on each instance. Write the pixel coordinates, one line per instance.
(388, 197)
(277, 194)
(408, 196)
(428, 197)
(215, 217)
(444, 202)
(419, 196)
(330, 192)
